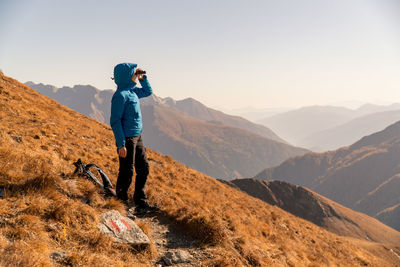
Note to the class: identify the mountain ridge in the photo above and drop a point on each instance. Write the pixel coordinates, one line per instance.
(354, 176)
(102, 99)
(313, 207)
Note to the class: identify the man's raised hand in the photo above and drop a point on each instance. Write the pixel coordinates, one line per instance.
(135, 77)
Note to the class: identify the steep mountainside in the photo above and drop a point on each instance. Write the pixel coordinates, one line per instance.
(363, 176)
(96, 104)
(350, 132)
(216, 149)
(315, 208)
(45, 209)
(199, 111)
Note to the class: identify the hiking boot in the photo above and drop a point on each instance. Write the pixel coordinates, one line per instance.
(144, 207)
(127, 202)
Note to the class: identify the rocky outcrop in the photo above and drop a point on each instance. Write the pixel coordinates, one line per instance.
(177, 257)
(122, 229)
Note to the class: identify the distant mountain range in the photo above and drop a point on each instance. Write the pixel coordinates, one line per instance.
(313, 207)
(364, 176)
(256, 114)
(322, 128)
(85, 99)
(208, 140)
(349, 132)
(297, 124)
(96, 104)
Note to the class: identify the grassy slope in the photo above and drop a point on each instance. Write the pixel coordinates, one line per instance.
(42, 210)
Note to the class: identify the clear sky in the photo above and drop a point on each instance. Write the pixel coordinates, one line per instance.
(226, 53)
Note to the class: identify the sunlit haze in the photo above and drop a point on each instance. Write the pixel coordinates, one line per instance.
(226, 54)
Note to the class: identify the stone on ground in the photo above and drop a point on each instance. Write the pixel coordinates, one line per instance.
(122, 229)
(58, 255)
(177, 257)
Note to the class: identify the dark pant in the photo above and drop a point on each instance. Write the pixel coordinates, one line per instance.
(136, 157)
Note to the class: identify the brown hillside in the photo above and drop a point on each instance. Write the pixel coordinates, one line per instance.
(363, 176)
(315, 208)
(42, 210)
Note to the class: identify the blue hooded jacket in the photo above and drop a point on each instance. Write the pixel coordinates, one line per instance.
(126, 117)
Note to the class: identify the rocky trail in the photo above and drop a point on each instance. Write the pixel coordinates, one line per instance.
(173, 246)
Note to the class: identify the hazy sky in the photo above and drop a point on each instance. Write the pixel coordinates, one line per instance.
(227, 54)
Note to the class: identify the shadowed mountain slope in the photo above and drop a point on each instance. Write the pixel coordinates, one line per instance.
(218, 150)
(45, 209)
(315, 208)
(363, 176)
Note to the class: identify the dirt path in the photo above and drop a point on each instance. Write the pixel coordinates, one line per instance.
(174, 247)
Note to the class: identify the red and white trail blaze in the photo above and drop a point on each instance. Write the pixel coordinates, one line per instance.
(120, 225)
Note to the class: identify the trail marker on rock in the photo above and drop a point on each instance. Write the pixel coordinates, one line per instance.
(122, 229)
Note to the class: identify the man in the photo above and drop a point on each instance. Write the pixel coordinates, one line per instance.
(126, 123)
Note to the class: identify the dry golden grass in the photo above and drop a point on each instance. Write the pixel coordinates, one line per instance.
(43, 211)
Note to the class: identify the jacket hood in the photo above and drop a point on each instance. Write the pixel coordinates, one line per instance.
(123, 73)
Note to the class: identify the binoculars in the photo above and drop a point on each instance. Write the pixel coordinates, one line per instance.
(140, 72)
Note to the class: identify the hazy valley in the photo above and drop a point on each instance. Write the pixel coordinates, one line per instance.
(322, 128)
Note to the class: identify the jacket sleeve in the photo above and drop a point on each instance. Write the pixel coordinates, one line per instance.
(146, 89)
(117, 110)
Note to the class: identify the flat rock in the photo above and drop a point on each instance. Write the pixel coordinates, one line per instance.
(177, 257)
(17, 139)
(58, 255)
(122, 229)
